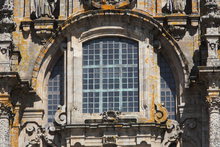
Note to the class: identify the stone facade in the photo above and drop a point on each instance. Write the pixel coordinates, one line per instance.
(35, 34)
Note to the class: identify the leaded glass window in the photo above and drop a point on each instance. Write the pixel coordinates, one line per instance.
(167, 87)
(55, 88)
(110, 75)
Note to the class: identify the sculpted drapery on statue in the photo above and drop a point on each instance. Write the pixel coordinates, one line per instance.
(43, 8)
(176, 6)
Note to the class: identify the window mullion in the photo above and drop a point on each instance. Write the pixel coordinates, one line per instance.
(120, 76)
(101, 78)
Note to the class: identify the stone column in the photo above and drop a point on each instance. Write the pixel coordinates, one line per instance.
(214, 122)
(5, 115)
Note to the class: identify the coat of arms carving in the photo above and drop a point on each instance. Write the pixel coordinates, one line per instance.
(109, 4)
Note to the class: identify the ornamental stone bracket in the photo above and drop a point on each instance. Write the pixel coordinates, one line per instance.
(43, 28)
(177, 24)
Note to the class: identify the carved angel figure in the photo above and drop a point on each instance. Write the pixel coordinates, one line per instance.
(176, 6)
(43, 8)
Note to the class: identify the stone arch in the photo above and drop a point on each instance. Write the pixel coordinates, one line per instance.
(142, 21)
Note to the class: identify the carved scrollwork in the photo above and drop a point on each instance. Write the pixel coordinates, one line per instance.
(110, 116)
(37, 134)
(60, 116)
(161, 114)
(172, 133)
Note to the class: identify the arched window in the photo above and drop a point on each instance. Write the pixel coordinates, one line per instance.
(55, 88)
(167, 87)
(110, 75)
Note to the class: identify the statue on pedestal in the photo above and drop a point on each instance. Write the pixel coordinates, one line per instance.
(43, 8)
(176, 6)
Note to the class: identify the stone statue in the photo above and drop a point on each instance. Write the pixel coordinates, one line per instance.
(176, 6)
(172, 133)
(43, 8)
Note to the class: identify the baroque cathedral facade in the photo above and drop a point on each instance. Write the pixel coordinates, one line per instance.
(93, 73)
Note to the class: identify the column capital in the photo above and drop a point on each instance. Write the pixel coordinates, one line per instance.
(6, 110)
(214, 104)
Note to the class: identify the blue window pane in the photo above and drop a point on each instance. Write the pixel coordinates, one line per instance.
(55, 89)
(167, 87)
(114, 75)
